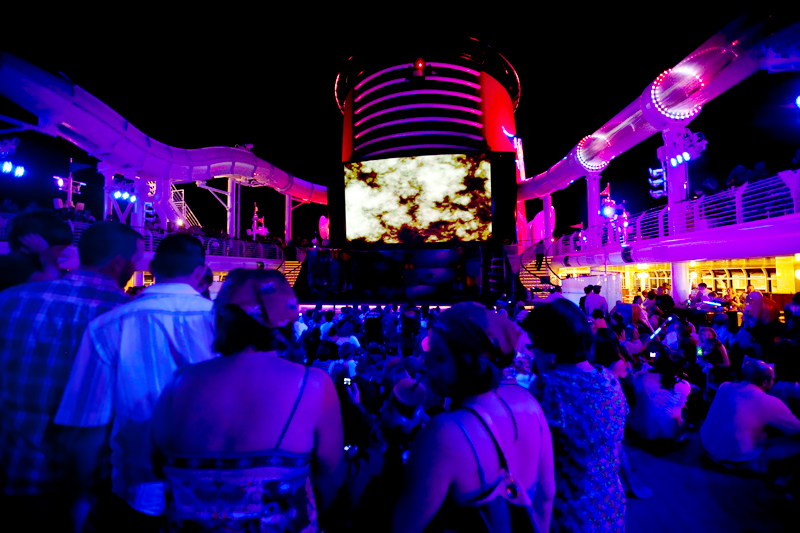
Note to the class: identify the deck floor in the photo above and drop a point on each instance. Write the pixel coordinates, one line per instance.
(689, 497)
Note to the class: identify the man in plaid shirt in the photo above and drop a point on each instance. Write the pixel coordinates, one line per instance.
(41, 325)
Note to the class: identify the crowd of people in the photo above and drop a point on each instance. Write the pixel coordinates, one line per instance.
(173, 412)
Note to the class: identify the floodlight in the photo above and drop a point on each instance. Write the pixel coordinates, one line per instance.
(132, 198)
(117, 195)
(673, 162)
(19, 171)
(686, 156)
(7, 167)
(608, 211)
(60, 182)
(125, 195)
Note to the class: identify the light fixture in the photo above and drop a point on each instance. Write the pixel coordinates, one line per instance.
(19, 172)
(692, 275)
(132, 198)
(797, 273)
(60, 182)
(608, 211)
(686, 156)
(117, 195)
(642, 266)
(673, 161)
(679, 157)
(692, 263)
(7, 167)
(125, 195)
(180, 222)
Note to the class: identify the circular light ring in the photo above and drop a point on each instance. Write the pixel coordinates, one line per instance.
(582, 161)
(654, 90)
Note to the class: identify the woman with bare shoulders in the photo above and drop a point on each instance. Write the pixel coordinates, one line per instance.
(487, 465)
(247, 439)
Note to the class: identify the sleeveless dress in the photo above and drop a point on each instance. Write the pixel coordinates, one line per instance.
(586, 413)
(266, 491)
(500, 506)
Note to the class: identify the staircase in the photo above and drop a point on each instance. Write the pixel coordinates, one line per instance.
(530, 279)
(178, 203)
(291, 269)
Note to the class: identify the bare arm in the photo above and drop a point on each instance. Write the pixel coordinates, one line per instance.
(427, 479)
(328, 466)
(546, 488)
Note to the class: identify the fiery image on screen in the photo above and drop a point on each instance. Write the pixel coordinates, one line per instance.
(436, 198)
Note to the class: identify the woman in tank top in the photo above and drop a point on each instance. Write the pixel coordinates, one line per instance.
(246, 439)
(487, 465)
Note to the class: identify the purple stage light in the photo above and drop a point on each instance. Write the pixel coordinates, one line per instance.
(419, 106)
(420, 119)
(420, 147)
(384, 71)
(403, 80)
(380, 86)
(414, 133)
(456, 67)
(417, 92)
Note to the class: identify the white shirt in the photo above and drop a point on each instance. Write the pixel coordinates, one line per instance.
(595, 301)
(734, 428)
(124, 361)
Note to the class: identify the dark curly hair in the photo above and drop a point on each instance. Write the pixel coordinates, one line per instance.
(481, 342)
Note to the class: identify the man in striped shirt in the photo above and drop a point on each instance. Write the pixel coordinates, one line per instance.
(41, 325)
(125, 360)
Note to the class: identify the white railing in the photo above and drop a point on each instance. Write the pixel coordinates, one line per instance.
(152, 238)
(182, 208)
(763, 199)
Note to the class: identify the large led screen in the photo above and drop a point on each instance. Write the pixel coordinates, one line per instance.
(423, 199)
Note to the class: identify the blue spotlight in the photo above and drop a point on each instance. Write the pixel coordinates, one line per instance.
(673, 162)
(132, 198)
(60, 182)
(117, 195)
(608, 211)
(7, 167)
(686, 156)
(797, 101)
(125, 195)
(19, 172)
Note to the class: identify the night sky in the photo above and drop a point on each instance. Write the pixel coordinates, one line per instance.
(260, 77)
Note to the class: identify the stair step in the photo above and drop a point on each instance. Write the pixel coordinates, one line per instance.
(291, 270)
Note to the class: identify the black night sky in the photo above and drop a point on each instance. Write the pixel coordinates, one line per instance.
(263, 77)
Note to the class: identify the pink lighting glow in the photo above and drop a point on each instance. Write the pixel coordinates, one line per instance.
(420, 147)
(419, 106)
(654, 94)
(384, 71)
(414, 133)
(420, 119)
(380, 86)
(417, 92)
(589, 166)
(455, 67)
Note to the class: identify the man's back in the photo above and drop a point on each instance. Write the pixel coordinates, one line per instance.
(595, 301)
(734, 428)
(41, 325)
(125, 360)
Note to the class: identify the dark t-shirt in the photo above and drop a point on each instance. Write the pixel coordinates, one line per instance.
(16, 269)
(665, 302)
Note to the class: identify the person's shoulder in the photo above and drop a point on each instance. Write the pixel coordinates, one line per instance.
(519, 398)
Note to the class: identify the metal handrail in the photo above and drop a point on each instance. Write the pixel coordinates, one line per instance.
(771, 197)
(213, 246)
